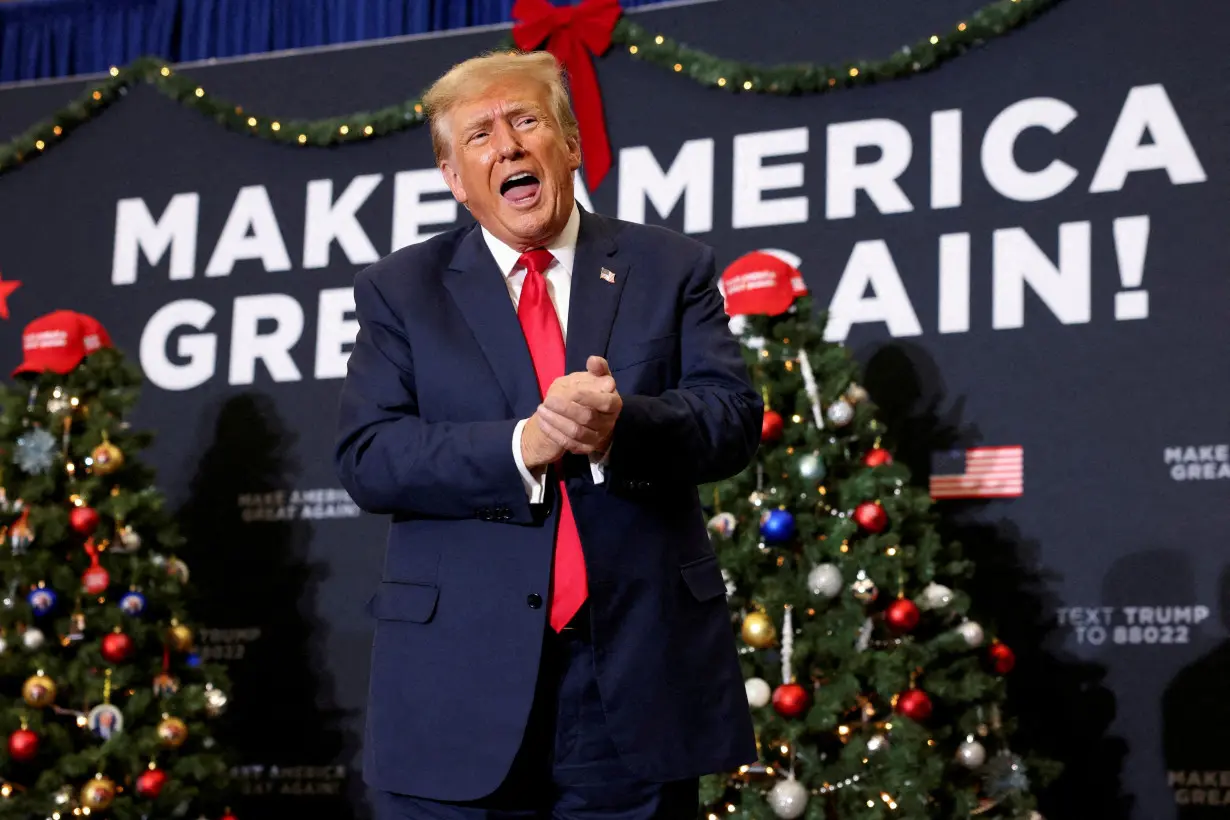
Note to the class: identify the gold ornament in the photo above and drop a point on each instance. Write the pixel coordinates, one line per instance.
(180, 636)
(39, 691)
(107, 458)
(758, 630)
(97, 794)
(172, 732)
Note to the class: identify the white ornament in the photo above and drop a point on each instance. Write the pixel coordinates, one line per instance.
(788, 798)
(972, 632)
(32, 638)
(840, 413)
(825, 580)
(811, 467)
(758, 692)
(813, 392)
(787, 646)
(877, 743)
(737, 324)
(1033, 815)
(971, 754)
(754, 342)
(723, 524)
(731, 589)
(935, 596)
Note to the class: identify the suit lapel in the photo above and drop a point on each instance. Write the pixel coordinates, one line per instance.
(478, 288)
(598, 278)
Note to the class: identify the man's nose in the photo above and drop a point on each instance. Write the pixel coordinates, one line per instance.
(507, 143)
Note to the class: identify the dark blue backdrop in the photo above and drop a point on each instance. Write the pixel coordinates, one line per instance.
(57, 38)
(988, 307)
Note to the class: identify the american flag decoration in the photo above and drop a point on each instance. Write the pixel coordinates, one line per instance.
(978, 472)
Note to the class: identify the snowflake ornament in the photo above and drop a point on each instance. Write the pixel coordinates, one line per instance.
(35, 451)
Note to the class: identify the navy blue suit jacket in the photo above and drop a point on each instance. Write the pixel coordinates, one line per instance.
(438, 377)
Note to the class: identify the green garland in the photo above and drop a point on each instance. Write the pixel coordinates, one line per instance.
(991, 21)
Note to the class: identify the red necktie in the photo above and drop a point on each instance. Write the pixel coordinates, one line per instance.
(540, 324)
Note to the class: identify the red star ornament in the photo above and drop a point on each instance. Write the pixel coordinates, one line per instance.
(6, 288)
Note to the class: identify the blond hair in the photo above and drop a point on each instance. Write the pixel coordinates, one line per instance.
(478, 73)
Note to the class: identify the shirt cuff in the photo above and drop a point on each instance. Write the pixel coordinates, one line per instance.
(597, 464)
(535, 487)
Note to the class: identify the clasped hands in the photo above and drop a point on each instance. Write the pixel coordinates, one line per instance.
(576, 416)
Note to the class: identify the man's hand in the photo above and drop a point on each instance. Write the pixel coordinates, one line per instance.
(580, 409)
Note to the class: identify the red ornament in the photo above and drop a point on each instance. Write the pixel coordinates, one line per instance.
(902, 615)
(1002, 658)
(117, 647)
(95, 580)
(573, 34)
(877, 456)
(150, 783)
(790, 700)
(229, 816)
(23, 745)
(914, 704)
(871, 516)
(772, 427)
(83, 520)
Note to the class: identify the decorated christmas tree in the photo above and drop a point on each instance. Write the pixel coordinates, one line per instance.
(105, 705)
(875, 688)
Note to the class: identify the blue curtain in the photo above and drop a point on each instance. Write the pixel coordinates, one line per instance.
(58, 38)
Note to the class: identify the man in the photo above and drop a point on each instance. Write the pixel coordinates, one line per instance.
(534, 400)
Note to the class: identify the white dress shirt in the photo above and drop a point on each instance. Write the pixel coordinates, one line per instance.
(559, 286)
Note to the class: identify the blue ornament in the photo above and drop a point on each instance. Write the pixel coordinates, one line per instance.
(41, 600)
(35, 451)
(133, 603)
(776, 526)
(193, 659)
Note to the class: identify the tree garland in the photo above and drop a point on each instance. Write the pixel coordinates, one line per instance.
(991, 21)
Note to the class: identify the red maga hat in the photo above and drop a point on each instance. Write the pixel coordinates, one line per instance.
(59, 341)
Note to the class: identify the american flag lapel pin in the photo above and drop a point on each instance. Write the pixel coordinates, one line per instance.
(607, 276)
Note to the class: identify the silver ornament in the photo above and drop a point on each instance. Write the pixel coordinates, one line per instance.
(811, 467)
(864, 588)
(731, 589)
(58, 402)
(756, 499)
(855, 394)
(840, 413)
(825, 580)
(971, 754)
(972, 632)
(877, 743)
(788, 799)
(215, 701)
(935, 596)
(723, 524)
(35, 451)
(33, 638)
(758, 692)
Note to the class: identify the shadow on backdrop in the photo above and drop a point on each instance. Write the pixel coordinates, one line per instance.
(1195, 720)
(1061, 705)
(257, 576)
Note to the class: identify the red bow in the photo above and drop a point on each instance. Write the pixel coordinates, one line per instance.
(571, 31)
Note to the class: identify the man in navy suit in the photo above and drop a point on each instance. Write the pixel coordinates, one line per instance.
(534, 400)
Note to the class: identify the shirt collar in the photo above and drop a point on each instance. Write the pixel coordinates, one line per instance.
(563, 247)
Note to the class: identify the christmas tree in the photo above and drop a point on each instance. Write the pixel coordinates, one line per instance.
(107, 705)
(875, 690)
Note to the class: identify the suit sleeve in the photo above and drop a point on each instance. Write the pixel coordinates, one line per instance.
(708, 427)
(390, 460)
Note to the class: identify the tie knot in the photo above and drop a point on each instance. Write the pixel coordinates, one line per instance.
(537, 260)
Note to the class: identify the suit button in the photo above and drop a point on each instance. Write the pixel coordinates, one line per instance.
(534, 600)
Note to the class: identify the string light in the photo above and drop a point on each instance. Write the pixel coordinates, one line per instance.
(854, 72)
(344, 130)
(721, 80)
(633, 49)
(252, 121)
(302, 139)
(935, 38)
(679, 66)
(369, 130)
(166, 72)
(275, 125)
(40, 145)
(747, 85)
(961, 27)
(97, 95)
(115, 72)
(200, 92)
(659, 39)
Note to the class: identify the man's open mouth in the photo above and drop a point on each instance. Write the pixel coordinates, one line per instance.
(520, 187)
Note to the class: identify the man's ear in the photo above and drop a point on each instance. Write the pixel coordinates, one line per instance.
(453, 180)
(574, 152)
